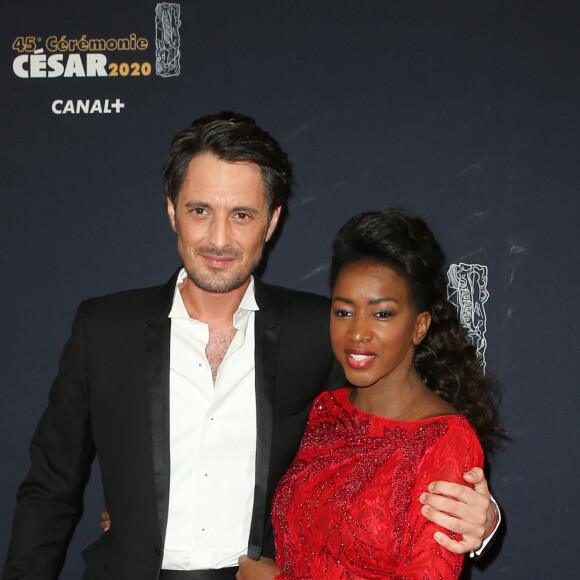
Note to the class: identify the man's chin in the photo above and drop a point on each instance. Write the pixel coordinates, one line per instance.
(215, 285)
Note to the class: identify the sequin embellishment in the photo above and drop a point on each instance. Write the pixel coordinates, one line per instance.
(348, 506)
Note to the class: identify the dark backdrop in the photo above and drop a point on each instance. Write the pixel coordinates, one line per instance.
(462, 110)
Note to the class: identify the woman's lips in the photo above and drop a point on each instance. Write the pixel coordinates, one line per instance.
(359, 359)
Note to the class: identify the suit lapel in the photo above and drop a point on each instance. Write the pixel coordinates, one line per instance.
(267, 338)
(158, 337)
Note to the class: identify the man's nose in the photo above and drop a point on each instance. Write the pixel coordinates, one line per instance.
(219, 233)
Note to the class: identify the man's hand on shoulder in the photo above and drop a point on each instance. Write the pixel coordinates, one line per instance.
(462, 510)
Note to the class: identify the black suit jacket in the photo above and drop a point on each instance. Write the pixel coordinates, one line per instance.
(111, 397)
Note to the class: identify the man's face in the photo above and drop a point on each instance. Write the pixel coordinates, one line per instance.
(221, 222)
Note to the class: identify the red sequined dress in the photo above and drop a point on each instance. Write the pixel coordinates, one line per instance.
(349, 507)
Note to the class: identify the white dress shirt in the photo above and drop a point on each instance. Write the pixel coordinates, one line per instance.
(212, 442)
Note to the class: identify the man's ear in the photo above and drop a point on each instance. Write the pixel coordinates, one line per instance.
(273, 222)
(421, 327)
(171, 212)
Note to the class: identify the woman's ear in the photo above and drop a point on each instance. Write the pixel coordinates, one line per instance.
(421, 326)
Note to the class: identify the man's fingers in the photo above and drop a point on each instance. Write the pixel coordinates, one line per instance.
(476, 514)
(457, 524)
(460, 509)
(105, 520)
(461, 493)
(466, 545)
(476, 477)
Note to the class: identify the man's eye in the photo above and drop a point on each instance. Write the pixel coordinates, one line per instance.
(199, 211)
(241, 215)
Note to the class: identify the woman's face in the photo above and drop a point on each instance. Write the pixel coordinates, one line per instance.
(373, 325)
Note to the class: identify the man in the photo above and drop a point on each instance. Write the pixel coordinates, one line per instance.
(194, 394)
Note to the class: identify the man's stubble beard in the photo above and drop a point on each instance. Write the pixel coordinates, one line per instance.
(219, 282)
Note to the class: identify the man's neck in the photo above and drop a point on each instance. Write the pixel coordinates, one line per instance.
(211, 308)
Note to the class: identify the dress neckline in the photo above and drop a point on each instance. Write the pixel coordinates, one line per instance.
(341, 395)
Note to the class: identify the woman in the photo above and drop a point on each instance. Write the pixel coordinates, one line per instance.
(415, 406)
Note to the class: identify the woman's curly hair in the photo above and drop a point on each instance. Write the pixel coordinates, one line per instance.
(445, 360)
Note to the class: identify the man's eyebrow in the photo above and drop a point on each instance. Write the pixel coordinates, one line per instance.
(246, 208)
(195, 203)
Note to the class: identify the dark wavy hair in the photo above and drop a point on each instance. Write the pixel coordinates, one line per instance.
(230, 137)
(445, 360)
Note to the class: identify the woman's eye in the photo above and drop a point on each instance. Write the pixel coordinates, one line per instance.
(340, 313)
(383, 314)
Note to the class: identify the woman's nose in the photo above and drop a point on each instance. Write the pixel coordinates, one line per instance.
(359, 332)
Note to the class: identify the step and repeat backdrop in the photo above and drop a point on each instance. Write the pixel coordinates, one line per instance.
(463, 111)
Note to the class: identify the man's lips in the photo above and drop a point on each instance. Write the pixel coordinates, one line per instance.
(217, 260)
(358, 358)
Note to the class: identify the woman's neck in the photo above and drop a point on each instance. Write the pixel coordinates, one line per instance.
(406, 400)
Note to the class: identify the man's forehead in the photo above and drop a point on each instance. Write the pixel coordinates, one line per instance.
(209, 178)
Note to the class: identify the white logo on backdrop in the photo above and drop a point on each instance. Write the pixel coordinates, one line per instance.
(167, 41)
(467, 289)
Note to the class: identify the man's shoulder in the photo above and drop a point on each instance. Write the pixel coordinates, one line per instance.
(123, 296)
(137, 300)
